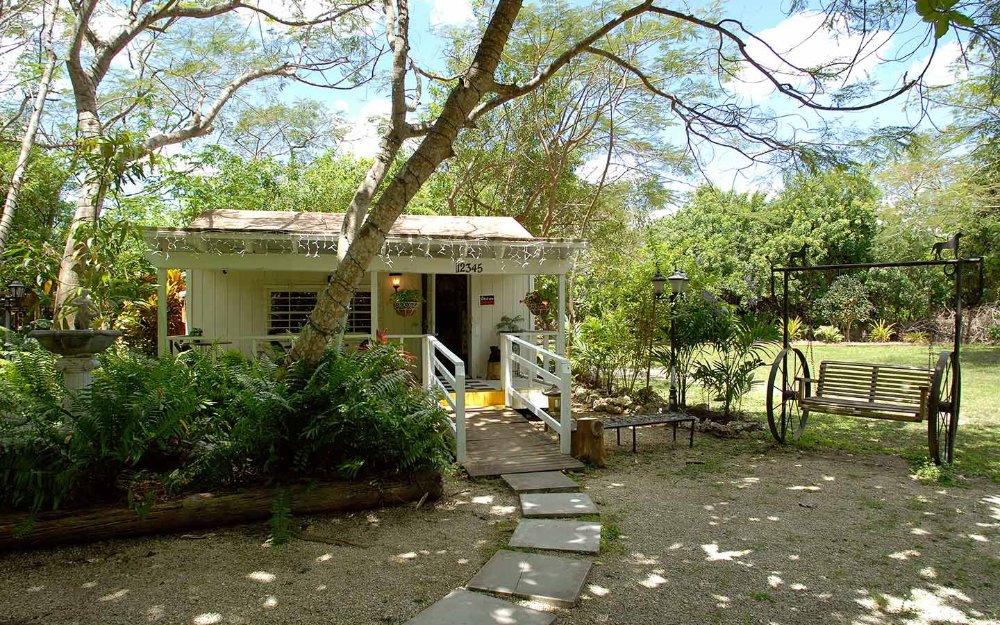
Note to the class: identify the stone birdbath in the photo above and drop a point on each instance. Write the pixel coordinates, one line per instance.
(77, 347)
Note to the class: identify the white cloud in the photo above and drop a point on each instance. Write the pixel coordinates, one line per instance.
(450, 12)
(945, 68)
(804, 41)
(363, 137)
(621, 168)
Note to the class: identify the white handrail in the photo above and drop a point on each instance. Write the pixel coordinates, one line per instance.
(562, 379)
(432, 367)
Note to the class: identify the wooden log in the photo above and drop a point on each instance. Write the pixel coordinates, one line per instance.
(208, 510)
(587, 442)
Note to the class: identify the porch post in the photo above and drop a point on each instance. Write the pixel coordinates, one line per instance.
(375, 303)
(561, 318)
(431, 300)
(162, 348)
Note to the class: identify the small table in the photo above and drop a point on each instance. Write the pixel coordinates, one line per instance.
(639, 420)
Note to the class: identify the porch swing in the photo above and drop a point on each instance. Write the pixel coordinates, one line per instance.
(875, 391)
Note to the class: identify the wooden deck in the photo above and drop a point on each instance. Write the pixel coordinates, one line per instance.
(501, 441)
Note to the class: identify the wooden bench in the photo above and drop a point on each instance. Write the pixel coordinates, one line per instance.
(868, 390)
(640, 420)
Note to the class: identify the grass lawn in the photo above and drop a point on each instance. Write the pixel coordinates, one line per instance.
(977, 446)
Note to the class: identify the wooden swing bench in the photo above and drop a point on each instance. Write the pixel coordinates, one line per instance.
(875, 391)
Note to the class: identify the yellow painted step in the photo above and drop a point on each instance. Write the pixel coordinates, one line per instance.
(481, 399)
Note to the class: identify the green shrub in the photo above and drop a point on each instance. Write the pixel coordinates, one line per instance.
(882, 331)
(795, 328)
(993, 333)
(739, 351)
(828, 334)
(151, 427)
(919, 337)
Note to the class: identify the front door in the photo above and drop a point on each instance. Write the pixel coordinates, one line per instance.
(451, 313)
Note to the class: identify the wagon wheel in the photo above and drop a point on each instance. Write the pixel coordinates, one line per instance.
(784, 413)
(942, 410)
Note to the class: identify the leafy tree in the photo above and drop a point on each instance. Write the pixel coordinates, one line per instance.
(846, 303)
(483, 85)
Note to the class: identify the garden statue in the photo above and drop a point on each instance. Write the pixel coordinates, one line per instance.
(77, 347)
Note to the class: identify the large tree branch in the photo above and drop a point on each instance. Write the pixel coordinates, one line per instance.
(201, 123)
(173, 10)
(507, 92)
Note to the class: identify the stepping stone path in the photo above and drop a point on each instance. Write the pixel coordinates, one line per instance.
(551, 579)
(556, 505)
(579, 536)
(541, 482)
(461, 607)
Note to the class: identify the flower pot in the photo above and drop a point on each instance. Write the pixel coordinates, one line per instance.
(537, 309)
(405, 309)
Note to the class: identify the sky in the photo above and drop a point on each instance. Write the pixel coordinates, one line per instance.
(799, 35)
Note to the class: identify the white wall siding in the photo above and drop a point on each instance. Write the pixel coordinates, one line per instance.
(508, 291)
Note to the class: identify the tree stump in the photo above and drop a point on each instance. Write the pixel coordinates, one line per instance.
(587, 442)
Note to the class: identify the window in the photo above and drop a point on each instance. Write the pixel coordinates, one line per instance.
(290, 309)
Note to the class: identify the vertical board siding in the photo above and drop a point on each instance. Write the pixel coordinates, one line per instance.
(508, 291)
(235, 304)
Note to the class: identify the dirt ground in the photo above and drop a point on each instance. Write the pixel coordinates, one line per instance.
(733, 531)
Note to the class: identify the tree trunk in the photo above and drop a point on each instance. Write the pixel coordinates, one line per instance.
(87, 210)
(28, 141)
(329, 317)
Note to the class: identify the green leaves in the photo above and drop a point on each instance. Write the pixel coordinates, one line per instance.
(941, 15)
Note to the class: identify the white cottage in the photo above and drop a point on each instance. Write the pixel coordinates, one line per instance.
(253, 276)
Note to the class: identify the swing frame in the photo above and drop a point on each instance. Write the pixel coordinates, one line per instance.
(872, 390)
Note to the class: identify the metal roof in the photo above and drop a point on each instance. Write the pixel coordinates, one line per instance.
(406, 226)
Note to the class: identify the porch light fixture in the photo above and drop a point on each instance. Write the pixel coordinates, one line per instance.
(396, 279)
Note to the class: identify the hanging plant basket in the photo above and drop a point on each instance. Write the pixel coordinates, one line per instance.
(406, 301)
(537, 305)
(405, 309)
(538, 309)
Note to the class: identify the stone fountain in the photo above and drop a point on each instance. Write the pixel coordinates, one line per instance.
(77, 347)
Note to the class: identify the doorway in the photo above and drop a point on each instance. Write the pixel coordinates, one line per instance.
(451, 314)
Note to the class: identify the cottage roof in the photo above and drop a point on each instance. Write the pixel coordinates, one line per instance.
(424, 226)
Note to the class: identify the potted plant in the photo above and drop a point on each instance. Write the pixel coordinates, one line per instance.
(406, 301)
(536, 303)
(509, 324)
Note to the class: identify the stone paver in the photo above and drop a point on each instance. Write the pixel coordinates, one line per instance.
(540, 481)
(556, 504)
(579, 536)
(461, 607)
(554, 580)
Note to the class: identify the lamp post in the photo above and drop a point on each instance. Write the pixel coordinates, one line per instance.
(658, 282)
(678, 284)
(12, 300)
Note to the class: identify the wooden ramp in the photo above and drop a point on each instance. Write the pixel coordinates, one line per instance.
(499, 440)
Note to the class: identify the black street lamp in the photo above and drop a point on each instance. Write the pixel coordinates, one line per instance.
(678, 284)
(658, 281)
(12, 300)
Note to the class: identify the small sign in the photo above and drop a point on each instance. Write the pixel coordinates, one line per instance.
(464, 267)
(487, 300)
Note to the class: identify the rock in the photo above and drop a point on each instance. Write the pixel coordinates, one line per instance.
(608, 405)
(728, 430)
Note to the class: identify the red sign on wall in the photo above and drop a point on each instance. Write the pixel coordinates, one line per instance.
(487, 300)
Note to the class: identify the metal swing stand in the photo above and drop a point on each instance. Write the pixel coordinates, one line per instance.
(875, 391)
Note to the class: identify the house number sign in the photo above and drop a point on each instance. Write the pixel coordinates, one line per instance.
(462, 267)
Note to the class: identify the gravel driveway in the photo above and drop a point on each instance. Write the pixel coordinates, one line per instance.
(733, 531)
